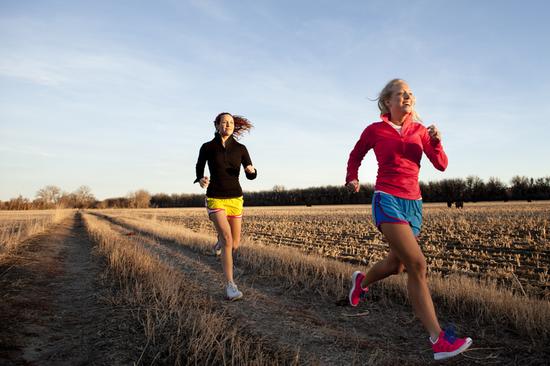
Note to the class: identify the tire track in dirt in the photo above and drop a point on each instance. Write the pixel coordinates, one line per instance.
(53, 308)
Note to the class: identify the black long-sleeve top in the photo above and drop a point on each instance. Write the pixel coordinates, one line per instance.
(224, 163)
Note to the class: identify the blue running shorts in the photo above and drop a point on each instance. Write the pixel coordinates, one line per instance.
(387, 208)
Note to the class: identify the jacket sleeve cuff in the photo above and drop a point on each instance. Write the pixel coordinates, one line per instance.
(252, 176)
(436, 145)
(349, 178)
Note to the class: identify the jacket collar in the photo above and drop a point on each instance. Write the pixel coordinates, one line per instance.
(387, 117)
(228, 142)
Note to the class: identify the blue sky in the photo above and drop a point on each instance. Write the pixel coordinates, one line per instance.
(119, 95)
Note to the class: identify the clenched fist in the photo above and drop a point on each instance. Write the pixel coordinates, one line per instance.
(353, 185)
(204, 182)
(434, 133)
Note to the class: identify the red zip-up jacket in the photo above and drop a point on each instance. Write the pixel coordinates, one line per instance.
(398, 156)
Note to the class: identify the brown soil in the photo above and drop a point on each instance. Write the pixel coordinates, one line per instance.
(55, 305)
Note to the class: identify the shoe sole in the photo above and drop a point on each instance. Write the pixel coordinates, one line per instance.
(353, 281)
(444, 355)
(234, 298)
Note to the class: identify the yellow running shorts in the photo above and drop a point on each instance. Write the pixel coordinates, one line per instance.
(233, 207)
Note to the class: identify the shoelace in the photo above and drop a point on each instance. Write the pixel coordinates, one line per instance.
(363, 296)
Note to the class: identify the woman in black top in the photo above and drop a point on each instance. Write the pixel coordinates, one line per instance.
(224, 196)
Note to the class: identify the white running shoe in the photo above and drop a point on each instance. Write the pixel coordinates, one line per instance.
(217, 249)
(232, 292)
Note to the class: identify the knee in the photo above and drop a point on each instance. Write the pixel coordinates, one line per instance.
(227, 240)
(417, 267)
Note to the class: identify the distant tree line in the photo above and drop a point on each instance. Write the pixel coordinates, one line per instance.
(138, 199)
(51, 197)
(471, 189)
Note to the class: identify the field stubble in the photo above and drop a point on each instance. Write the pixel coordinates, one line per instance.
(505, 243)
(481, 298)
(180, 320)
(17, 226)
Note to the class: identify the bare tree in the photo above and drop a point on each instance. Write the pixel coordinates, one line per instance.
(496, 190)
(475, 188)
(67, 200)
(49, 196)
(139, 199)
(83, 197)
(279, 188)
(19, 203)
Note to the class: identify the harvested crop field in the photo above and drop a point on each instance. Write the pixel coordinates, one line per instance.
(152, 293)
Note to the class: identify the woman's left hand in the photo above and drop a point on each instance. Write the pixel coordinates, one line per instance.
(249, 169)
(434, 133)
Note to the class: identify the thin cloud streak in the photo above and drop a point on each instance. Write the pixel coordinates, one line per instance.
(26, 150)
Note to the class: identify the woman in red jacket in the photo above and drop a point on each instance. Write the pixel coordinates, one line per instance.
(398, 142)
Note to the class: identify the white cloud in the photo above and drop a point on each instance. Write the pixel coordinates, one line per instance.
(27, 150)
(34, 71)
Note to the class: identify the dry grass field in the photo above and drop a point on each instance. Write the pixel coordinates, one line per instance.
(151, 274)
(17, 226)
(506, 242)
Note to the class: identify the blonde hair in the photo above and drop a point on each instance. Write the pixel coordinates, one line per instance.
(385, 94)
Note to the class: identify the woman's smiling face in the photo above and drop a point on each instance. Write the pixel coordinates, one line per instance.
(226, 125)
(401, 100)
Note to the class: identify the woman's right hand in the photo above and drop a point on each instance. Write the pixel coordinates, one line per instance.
(204, 182)
(353, 185)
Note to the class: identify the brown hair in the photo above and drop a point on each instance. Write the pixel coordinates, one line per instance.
(242, 124)
(385, 94)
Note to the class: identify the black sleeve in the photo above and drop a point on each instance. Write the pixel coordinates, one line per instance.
(201, 162)
(246, 161)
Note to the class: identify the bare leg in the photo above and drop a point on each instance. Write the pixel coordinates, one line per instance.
(235, 223)
(225, 236)
(404, 245)
(386, 267)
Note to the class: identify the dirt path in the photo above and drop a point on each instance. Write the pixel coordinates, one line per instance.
(327, 332)
(53, 308)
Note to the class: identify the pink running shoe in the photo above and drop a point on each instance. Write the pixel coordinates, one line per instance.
(357, 292)
(448, 345)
